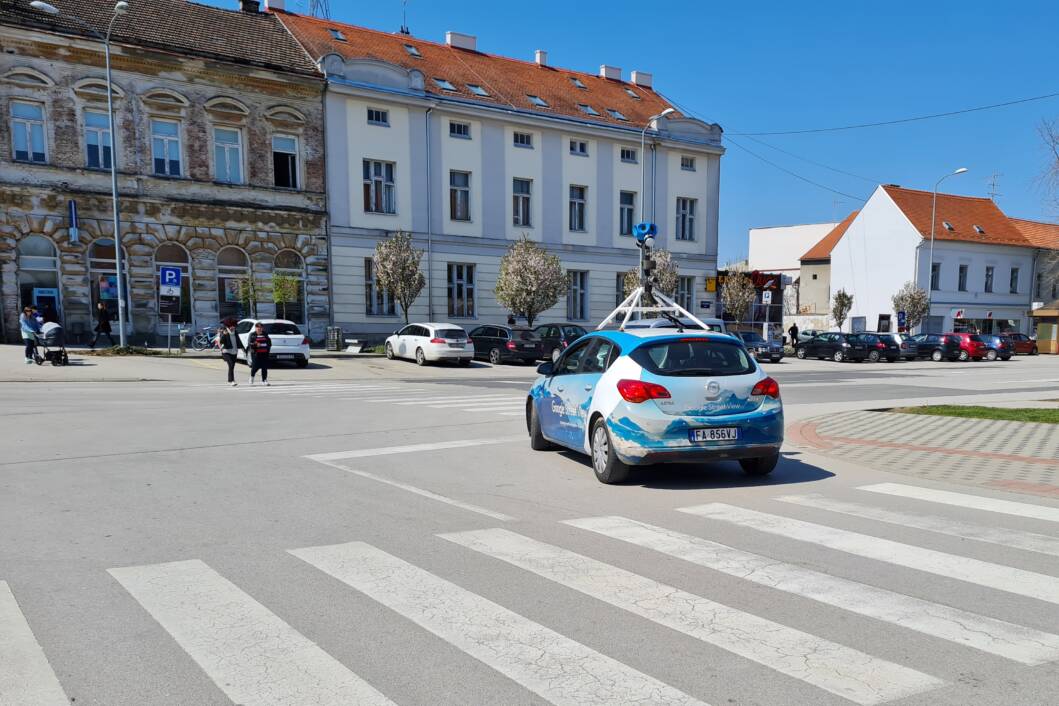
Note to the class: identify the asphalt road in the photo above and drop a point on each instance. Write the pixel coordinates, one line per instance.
(374, 532)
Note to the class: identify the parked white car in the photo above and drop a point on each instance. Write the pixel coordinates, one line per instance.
(288, 342)
(430, 342)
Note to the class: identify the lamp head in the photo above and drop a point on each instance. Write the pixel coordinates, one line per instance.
(44, 7)
(961, 170)
(666, 112)
(121, 7)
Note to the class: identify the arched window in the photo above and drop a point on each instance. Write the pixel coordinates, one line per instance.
(174, 255)
(289, 268)
(38, 277)
(103, 277)
(233, 269)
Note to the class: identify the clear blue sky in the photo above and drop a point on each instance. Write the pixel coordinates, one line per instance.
(770, 66)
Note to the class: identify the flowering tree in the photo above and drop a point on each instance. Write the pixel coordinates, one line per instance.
(397, 270)
(841, 304)
(914, 302)
(738, 294)
(665, 277)
(531, 279)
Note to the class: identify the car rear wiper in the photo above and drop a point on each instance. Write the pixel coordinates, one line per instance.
(695, 371)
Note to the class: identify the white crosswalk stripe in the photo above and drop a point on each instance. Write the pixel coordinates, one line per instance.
(827, 665)
(25, 675)
(250, 653)
(972, 502)
(550, 665)
(1028, 541)
(982, 573)
(990, 635)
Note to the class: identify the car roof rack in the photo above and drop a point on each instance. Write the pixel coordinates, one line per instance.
(665, 308)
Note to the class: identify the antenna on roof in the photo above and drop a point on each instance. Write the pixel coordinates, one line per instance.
(404, 18)
(319, 8)
(994, 184)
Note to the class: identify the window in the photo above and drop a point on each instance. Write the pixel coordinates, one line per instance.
(227, 155)
(577, 296)
(616, 114)
(577, 82)
(626, 211)
(461, 291)
(336, 34)
(687, 164)
(412, 51)
(520, 202)
(632, 94)
(619, 288)
(460, 130)
(477, 90)
(233, 271)
(27, 131)
(961, 282)
(98, 151)
(379, 190)
(686, 218)
(377, 301)
(1013, 281)
(814, 275)
(173, 255)
(989, 278)
(577, 208)
(290, 264)
(587, 109)
(537, 101)
(948, 226)
(579, 147)
(444, 85)
(686, 291)
(460, 196)
(377, 116)
(103, 277)
(38, 276)
(285, 161)
(628, 154)
(523, 139)
(935, 276)
(165, 147)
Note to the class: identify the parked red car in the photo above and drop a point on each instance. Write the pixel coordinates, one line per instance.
(1023, 344)
(971, 345)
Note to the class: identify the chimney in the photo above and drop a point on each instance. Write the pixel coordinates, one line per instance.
(541, 57)
(642, 78)
(251, 6)
(461, 41)
(274, 5)
(611, 72)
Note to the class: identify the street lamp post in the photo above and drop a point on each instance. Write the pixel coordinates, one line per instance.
(643, 158)
(120, 8)
(933, 218)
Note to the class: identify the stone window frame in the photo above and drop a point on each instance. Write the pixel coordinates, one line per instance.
(45, 125)
(287, 121)
(187, 273)
(164, 104)
(301, 274)
(91, 96)
(227, 113)
(39, 263)
(112, 269)
(232, 272)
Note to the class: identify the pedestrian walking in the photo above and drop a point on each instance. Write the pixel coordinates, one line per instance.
(27, 323)
(258, 347)
(793, 332)
(511, 320)
(102, 325)
(228, 343)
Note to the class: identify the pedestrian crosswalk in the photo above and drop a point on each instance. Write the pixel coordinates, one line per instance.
(506, 402)
(256, 656)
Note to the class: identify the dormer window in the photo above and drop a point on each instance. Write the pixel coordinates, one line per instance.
(616, 114)
(631, 93)
(336, 34)
(979, 230)
(444, 85)
(477, 90)
(587, 109)
(577, 82)
(537, 101)
(948, 226)
(412, 51)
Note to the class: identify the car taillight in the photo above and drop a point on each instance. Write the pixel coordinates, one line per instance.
(511, 345)
(438, 340)
(470, 341)
(904, 345)
(305, 341)
(880, 344)
(766, 388)
(637, 391)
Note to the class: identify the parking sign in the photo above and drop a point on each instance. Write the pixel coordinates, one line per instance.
(169, 281)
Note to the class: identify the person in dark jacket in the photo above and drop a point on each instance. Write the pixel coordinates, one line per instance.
(258, 347)
(228, 343)
(793, 333)
(102, 325)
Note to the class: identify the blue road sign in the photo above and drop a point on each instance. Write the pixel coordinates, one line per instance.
(169, 276)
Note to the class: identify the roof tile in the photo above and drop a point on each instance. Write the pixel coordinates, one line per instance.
(822, 250)
(1041, 235)
(962, 212)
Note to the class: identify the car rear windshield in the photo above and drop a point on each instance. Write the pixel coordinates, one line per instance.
(451, 333)
(281, 329)
(573, 331)
(693, 356)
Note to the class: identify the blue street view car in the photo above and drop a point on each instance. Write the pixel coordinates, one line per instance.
(646, 396)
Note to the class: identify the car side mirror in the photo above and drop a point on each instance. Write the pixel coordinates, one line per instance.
(546, 369)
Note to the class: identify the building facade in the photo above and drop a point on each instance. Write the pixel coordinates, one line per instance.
(468, 152)
(814, 277)
(218, 140)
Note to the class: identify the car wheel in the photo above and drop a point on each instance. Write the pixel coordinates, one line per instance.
(533, 426)
(800, 353)
(389, 352)
(760, 466)
(936, 356)
(421, 358)
(494, 356)
(605, 463)
(873, 356)
(839, 356)
(991, 355)
(964, 355)
(303, 362)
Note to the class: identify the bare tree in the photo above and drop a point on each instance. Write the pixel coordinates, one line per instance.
(531, 279)
(665, 277)
(738, 294)
(397, 269)
(841, 304)
(1049, 132)
(914, 302)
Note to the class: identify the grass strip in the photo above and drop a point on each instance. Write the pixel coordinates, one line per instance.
(1019, 414)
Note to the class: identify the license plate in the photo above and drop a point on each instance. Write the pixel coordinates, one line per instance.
(714, 434)
(528, 346)
(284, 356)
(456, 345)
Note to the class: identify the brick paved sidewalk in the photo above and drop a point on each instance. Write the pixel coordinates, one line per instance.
(1016, 456)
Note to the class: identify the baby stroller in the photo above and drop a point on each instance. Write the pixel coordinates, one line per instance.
(52, 339)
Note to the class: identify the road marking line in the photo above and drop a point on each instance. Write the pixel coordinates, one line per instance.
(1015, 642)
(1029, 541)
(496, 409)
(26, 677)
(981, 573)
(827, 665)
(412, 448)
(248, 651)
(461, 398)
(539, 659)
(973, 502)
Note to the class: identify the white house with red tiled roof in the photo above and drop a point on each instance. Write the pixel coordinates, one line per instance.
(468, 151)
(982, 275)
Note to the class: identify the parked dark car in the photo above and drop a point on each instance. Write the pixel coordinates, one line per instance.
(997, 346)
(500, 344)
(1023, 344)
(838, 347)
(760, 348)
(556, 337)
(882, 345)
(937, 347)
(909, 347)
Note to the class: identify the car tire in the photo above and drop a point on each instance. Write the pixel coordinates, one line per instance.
(1034, 351)
(839, 357)
(421, 358)
(533, 426)
(494, 356)
(991, 356)
(556, 352)
(873, 356)
(964, 355)
(605, 463)
(936, 356)
(389, 352)
(303, 362)
(800, 353)
(1005, 357)
(760, 466)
